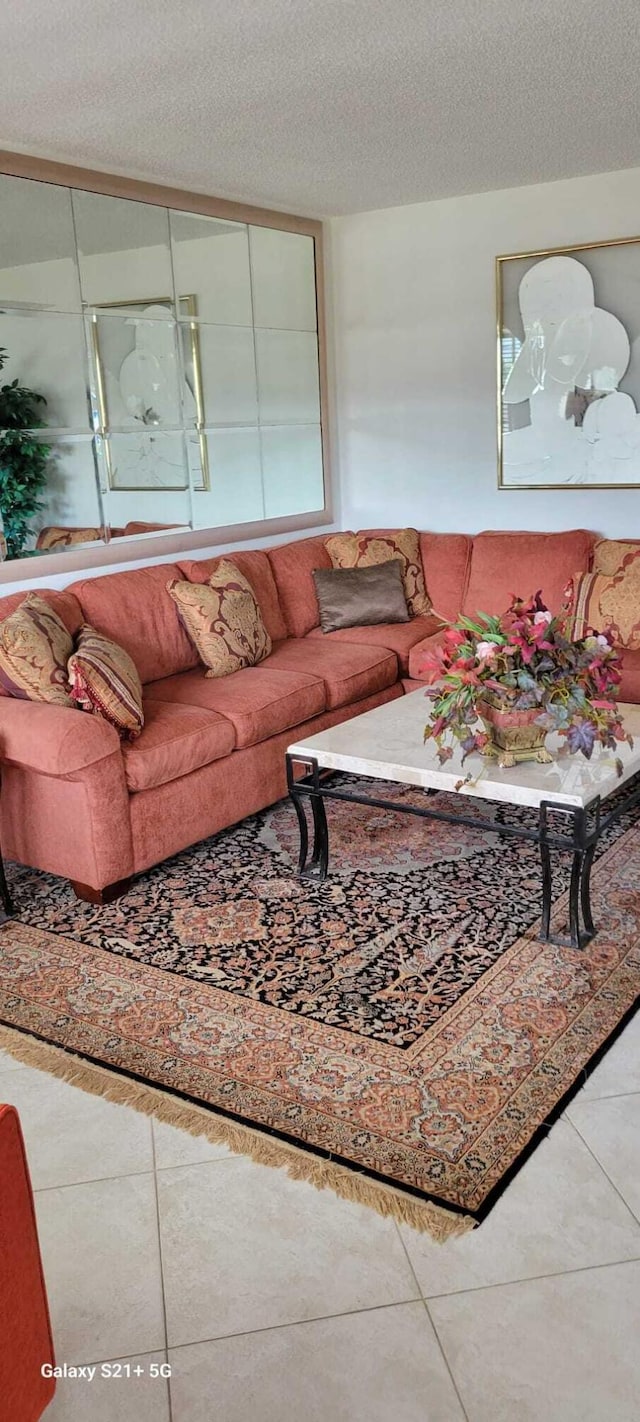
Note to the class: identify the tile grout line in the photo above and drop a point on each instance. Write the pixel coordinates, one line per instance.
(604, 1171)
(134, 1174)
(431, 1322)
(534, 1278)
(295, 1323)
(164, 1301)
(589, 1100)
(94, 1180)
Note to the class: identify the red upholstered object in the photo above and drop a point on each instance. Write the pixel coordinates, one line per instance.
(445, 559)
(629, 689)
(254, 702)
(135, 610)
(257, 570)
(398, 637)
(293, 565)
(25, 1330)
(505, 563)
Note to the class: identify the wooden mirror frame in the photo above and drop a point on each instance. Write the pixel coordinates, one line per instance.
(126, 550)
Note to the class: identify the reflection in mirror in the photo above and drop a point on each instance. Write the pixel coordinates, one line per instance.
(211, 260)
(134, 379)
(288, 387)
(123, 250)
(167, 369)
(45, 352)
(145, 481)
(226, 361)
(37, 246)
(235, 491)
(65, 509)
(292, 469)
(283, 278)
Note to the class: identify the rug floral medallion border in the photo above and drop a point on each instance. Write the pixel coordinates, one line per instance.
(448, 1118)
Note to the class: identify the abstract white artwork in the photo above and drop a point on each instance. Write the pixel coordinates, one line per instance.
(569, 368)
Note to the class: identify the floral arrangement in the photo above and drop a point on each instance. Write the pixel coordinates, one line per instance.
(527, 659)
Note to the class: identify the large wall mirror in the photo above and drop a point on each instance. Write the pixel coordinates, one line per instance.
(161, 370)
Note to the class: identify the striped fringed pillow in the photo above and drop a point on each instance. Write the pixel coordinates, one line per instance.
(105, 681)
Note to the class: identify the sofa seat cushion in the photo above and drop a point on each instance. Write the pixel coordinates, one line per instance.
(175, 740)
(257, 702)
(506, 564)
(398, 637)
(348, 670)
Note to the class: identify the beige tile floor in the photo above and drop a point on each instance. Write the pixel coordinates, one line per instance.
(272, 1302)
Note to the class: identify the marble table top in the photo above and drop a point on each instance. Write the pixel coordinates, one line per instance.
(387, 744)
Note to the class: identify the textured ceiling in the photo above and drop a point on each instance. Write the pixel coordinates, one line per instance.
(325, 106)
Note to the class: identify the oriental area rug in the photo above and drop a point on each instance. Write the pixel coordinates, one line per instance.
(397, 1034)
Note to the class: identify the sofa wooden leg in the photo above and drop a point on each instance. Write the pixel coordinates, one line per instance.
(100, 896)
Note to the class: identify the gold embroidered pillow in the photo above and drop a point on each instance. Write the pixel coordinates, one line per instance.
(609, 602)
(35, 647)
(363, 550)
(611, 555)
(105, 682)
(223, 620)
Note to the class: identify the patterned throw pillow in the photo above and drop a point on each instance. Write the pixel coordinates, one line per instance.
(105, 682)
(609, 601)
(223, 620)
(362, 550)
(35, 647)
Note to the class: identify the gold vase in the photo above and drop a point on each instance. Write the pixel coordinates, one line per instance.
(514, 735)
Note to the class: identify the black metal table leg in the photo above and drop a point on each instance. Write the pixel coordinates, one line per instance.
(7, 901)
(547, 876)
(585, 890)
(583, 845)
(319, 863)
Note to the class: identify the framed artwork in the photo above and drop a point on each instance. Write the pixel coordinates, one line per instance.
(568, 367)
(142, 402)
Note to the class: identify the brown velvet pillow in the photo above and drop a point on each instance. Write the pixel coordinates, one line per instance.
(361, 597)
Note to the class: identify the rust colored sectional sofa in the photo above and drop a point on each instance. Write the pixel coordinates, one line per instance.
(78, 803)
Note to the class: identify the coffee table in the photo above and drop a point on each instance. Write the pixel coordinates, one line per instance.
(570, 794)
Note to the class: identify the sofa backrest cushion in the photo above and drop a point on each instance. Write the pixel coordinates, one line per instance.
(293, 566)
(135, 610)
(256, 568)
(504, 563)
(445, 559)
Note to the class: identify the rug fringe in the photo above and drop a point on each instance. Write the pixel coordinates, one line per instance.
(435, 1220)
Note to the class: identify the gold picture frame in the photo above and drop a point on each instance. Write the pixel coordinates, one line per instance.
(568, 339)
(188, 305)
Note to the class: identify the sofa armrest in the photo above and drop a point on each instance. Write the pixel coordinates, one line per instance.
(53, 740)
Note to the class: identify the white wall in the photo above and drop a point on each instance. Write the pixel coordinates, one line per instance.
(415, 356)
